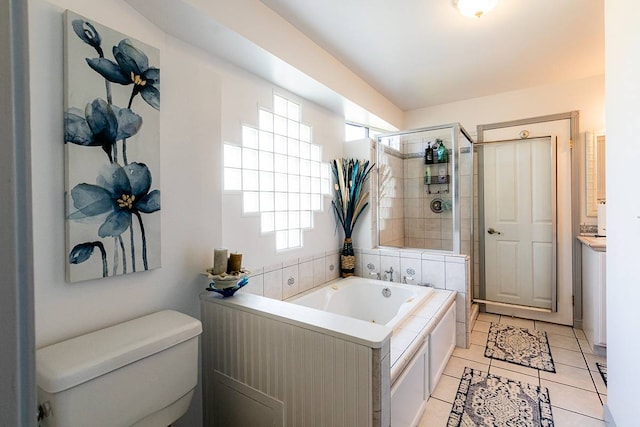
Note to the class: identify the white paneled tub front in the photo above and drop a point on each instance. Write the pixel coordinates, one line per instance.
(353, 352)
(393, 304)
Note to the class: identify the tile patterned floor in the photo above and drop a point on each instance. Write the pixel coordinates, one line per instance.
(576, 390)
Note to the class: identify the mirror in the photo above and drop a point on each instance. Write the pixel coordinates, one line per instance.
(595, 172)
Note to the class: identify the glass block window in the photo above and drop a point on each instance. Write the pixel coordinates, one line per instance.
(280, 172)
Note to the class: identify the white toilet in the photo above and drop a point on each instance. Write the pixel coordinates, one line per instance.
(137, 373)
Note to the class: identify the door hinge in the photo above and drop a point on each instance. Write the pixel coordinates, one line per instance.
(573, 300)
(571, 144)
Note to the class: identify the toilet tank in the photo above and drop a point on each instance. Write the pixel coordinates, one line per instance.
(122, 375)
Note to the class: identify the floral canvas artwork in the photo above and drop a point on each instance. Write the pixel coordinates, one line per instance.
(111, 136)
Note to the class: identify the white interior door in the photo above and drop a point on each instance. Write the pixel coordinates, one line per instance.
(519, 210)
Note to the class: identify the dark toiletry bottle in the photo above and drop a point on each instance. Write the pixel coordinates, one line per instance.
(428, 155)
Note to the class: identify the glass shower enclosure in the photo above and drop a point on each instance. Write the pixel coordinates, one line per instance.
(425, 184)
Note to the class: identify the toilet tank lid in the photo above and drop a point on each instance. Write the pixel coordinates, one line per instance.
(77, 360)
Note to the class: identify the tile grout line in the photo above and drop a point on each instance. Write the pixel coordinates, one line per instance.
(572, 386)
(574, 412)
(590, 373)
(539, 378)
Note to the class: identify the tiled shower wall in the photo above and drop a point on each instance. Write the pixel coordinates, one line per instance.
(468, 200)
(391, 211)
(423, 227)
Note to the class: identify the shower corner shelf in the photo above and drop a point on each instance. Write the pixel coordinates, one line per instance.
(436, 179)
(429, 191)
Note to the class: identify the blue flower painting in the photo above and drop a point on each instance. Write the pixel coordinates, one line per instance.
(111, 137)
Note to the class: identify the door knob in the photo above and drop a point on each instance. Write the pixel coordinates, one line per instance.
(492, 231)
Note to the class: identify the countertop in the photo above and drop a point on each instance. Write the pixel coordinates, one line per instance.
(598, 244)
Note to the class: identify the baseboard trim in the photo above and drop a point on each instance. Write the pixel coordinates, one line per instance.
(577, 324)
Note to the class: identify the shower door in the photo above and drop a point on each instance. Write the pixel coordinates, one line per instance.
(519, 218)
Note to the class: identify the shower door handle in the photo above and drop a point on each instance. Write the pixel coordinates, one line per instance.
(493, 231)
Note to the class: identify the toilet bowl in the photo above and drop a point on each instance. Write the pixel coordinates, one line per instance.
(137, 373)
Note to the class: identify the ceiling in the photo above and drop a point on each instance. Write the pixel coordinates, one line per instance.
(419, 53)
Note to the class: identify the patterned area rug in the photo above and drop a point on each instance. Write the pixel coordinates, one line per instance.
(521, 346)
(602, 367)
(489, 400)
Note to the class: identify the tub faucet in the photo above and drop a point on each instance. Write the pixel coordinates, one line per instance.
(390, 273)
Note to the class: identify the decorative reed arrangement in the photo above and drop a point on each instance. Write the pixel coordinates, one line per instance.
(349, 201)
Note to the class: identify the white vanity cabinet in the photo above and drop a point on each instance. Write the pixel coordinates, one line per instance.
(594, 315)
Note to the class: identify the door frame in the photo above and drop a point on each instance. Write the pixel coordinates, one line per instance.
(574, 118)
(17, 331)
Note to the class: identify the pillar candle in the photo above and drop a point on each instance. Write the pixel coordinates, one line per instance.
(219, 260)
(235, 263)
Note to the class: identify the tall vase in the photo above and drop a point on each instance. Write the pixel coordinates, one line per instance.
(347, 259)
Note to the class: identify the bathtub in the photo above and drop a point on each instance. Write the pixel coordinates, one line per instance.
(380, 373)
(375, 301)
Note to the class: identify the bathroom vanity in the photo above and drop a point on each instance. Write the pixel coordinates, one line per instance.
(594, 292)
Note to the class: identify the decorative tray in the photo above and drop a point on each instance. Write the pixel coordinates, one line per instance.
(227, 284)
(229, 291)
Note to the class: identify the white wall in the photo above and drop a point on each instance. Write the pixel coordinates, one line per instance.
(190, 138)
(256, 22)
(585, 95)
(204, 101)
(190, 218)
(623, 207)
(242, 94)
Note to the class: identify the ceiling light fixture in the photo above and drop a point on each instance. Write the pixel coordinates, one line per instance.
(475, 8)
